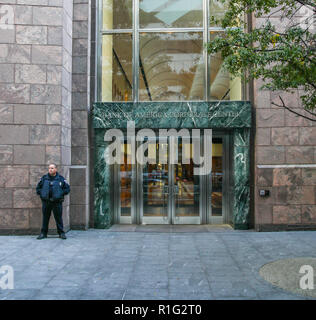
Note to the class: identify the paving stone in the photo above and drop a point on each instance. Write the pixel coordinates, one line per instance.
(191, 296)
(101, 264)
(152, 293)
(17, 294)
(95, 295)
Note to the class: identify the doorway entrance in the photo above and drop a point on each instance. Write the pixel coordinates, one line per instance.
(167, 192)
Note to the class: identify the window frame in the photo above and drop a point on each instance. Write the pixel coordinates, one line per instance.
(136, 30)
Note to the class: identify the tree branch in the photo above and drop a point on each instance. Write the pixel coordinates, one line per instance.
(274, 12)
(289, 109)
(312, 113)
(307, 3)
(294, 13)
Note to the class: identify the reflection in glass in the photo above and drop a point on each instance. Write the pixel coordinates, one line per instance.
(126, 182)
(222, 85)
(217, 10)
(187, 184)
(117, 76)
(171, 13)
(171, 67)
(117, 14)
(217, 177)
(155, 184)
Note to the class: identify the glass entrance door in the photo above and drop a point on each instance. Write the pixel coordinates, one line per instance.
(169, 193)
(154, 196)
(219, 200)
(186, 186)
(163, 191)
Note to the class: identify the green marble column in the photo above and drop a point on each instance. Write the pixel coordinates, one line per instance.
(241, 164)
(103, 207)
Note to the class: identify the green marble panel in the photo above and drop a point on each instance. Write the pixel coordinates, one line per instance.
(227, 114)
(241, 178)
(233, 115)
(103, 210)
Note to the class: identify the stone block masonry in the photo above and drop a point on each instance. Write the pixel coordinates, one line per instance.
(35, 107)
(47, 86)
(285, 162)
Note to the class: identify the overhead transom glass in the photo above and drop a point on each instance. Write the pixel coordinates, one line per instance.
(154, 50)
(170, 13)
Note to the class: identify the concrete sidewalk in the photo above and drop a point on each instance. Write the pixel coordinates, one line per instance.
(102, 264)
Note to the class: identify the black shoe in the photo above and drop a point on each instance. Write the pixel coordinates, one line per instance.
(63, 236)
(42, 236)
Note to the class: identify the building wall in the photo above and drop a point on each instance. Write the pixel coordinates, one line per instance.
(285, 145)
(82, 99)
(47, 81)
(35, 107)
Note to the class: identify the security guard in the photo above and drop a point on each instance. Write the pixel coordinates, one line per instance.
(52, 188)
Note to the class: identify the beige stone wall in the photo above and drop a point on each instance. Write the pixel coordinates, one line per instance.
(35, 107)
(83, 68)
(285, 160)
(47, 77)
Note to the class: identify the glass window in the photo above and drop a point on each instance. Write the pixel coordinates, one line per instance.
(217, 10)
(217, 177)
(117, 67)
(222, 85)
(117, 14)
(125, 176)
(171, 13)
(171, 66)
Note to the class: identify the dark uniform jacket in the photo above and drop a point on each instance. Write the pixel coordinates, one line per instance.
(52, 188)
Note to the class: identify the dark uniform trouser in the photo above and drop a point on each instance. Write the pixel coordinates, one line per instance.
(57, 207)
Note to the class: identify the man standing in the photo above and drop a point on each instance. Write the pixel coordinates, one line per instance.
(52, 188)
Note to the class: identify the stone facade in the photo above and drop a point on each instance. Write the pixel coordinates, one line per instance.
(47, 81)
(82, 85)
(35, 107)
(285, 160)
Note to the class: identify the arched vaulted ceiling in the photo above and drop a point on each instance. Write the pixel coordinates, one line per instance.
(172, 63)
(168, 58)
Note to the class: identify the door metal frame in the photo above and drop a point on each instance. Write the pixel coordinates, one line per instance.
(139, 199)
(205, 185)
(167, 219)
(224, 219)
(193, 219)
(171, 202)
